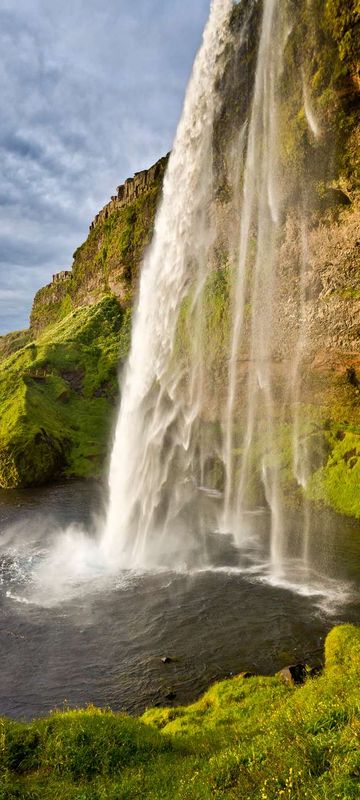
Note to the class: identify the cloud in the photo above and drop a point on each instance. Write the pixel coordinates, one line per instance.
(91, 92)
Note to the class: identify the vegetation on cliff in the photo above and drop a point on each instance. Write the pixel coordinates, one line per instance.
(253, 738)
(58, 396)
(108, 261)
(320, 91)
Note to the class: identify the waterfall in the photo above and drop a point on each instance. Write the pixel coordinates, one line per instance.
(161, 506)
(151, 478)
(260, 218)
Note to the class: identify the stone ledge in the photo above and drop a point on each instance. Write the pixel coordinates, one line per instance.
(132, 189)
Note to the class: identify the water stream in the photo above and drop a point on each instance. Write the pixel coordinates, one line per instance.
(152, 464)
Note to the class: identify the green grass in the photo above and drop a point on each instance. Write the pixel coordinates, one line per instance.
(58, 396)
(12, 342)
(337, 482)
(246, 738)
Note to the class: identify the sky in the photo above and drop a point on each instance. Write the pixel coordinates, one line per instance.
(91, 92)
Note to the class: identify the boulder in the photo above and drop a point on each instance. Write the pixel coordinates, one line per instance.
(294, 675)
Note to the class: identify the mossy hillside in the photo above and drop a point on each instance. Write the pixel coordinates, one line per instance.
(58, 396)
(107, 262)
(343, 22)
(11, 342)
(51, 304)
(250, 738)
(336, 483)
(335, 419)
(320, 70)
(117, 243)
(331, 458)
(327, 417)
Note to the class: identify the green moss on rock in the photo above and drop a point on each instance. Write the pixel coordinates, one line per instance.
(342, 648)
(12, 342)
(58, 396)
(336, 483)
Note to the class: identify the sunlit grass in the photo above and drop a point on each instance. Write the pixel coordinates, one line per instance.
(58, 396)
(249, 738)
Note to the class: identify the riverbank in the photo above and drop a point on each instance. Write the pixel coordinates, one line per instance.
(247, 737)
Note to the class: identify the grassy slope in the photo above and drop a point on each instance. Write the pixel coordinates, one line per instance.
(249, 738)
(57, 396)
(336, 483)
(12, 342)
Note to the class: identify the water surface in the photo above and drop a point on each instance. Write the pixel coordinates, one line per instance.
(101, 640)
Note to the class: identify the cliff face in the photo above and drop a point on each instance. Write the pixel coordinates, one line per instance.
(58, 386)
(108, 261)
(133, 188)
(315, 313)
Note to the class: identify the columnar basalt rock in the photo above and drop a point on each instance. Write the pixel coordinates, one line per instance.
(61, 276)
(132, 189)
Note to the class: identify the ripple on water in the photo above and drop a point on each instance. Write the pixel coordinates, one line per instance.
(89, 635)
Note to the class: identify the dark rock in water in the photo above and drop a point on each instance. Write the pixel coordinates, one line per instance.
(167, 660)
(294, 675)
(170, 695)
